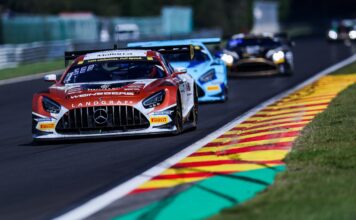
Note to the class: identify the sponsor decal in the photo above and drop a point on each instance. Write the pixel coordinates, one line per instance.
(159, 119)
(116, 59)
(213, 88)
(73, 90)
(85, 95)
(182, 87)
(101, 103)
(165, 112)
(188, 87)
(116, 54)
(43, 119)
(46, 126)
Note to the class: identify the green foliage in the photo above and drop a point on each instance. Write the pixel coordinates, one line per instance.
(31, 68)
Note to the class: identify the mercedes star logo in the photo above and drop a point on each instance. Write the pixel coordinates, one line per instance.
(100, 116)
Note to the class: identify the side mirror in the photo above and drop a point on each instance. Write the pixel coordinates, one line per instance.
(216, 62)
(180, 70)
(50, 78)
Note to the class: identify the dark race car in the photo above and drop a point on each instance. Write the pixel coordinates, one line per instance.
(342, 30)
(251, 55)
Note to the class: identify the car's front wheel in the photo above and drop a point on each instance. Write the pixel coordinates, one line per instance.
(178, 118)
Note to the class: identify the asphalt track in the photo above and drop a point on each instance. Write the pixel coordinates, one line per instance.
(41, 181)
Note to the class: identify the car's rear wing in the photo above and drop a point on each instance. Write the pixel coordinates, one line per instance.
(188, 49)
(215, 40)
(72, 55)
(168, 43)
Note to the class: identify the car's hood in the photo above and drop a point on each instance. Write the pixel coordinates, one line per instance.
(125, 92)
(196, 69)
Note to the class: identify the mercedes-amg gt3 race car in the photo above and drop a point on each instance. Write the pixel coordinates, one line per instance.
(210, 74)
(251, 55)
(116, 93)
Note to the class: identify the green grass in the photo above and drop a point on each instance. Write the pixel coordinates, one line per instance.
(320, 181)
(347, 70)
(32, 68)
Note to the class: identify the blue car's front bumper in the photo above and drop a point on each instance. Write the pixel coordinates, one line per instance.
(211, 92)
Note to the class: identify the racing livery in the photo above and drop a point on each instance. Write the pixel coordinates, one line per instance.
(115, 93)
(209, 73)
(251, 55)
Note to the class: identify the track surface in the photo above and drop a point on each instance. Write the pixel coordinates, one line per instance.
(39, 182)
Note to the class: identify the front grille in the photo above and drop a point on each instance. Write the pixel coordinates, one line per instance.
(254, 67)
(101, 119)
(201, 92)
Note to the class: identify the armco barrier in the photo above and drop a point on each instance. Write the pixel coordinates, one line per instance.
(13, 54)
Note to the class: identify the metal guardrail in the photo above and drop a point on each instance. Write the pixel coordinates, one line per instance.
(12, 55)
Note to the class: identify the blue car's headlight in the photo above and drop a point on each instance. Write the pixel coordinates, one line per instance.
(208, 76)
(154, 100)
(50, 106)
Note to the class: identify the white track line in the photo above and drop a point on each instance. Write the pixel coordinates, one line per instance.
(27, 78)
(96, 204)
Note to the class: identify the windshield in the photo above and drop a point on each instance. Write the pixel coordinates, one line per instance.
(264, 42)
(114, 71)
(199, 57)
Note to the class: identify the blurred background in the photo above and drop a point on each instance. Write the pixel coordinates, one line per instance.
(36, 30)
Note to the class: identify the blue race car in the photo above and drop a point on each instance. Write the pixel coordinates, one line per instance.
(209, 73)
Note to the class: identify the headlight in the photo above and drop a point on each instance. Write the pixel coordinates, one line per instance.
(278, 57)
(154, 100)
(50, 106)
(332, 34)
(228, 59)
(352, 34)
(208, 76)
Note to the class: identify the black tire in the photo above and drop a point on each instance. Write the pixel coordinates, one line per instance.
(288, 72)
(226, 94)
(194, 113)
(178, 118)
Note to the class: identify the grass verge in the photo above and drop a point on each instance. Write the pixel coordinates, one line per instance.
(31, 68)
(350, 69)
(320, 181)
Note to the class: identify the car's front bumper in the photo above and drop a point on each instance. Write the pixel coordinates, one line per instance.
(56, 136)
(257, 67)
(75, 124)
(212, 92)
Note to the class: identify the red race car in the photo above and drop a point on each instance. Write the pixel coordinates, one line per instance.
(116, 92)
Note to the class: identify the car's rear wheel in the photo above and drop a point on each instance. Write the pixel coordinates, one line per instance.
(178, 118)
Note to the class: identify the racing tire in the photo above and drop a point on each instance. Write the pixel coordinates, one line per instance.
(178, 118)
(226, 94)
(194, 113)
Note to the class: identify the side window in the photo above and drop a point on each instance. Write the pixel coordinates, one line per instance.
(170, 68)
(168, 65)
